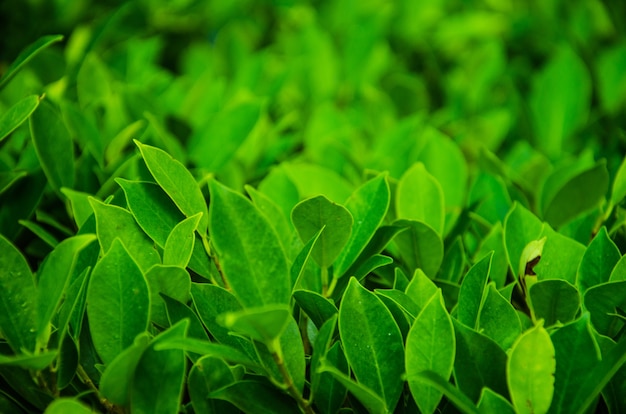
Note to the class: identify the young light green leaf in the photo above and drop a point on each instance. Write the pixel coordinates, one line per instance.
(117, 377)
(169, 280)
(114, 222)
(17, 114)
(179, 245)
(471, 292)
(554, 301)
(313, 179)
(368, 206)
(157, 385)
(530, 371)
(35, 362)
(252, 262)
(493, 403)
(598, 261)
(79, 202)
(419, 197)
(264, 324)
(152, 208)
(430, 346)
(177, 182)
(18, 320)
(312, 215)
(372, 342)
(421, 289)
(520, 228)
(118, 302)
(66, 405)
(420, 247)
(54, 277)
(26, 55)
(53, 145)
(498, 319)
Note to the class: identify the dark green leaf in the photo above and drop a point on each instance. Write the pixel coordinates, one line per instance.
(554, 301)
(171, 281)
(455, 396)
(498, 319)
(471, 292)
(420, 247)
(17, 114)
(256, 397)
(317, 307)
(26, 55)
(598, 261)
(605, 301)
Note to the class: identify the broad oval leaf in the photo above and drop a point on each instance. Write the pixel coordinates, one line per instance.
(66, 405)
(421, 289)
(264, 324)
(177, 182)
(420, 247)
(53, 145)
(18, 320)
(368, 206)
(430, 346)
(17, 114)
(249, 252)
(372, 342)
(118, 302)
(498, 319)
(554, 301)
(419, 197)
(317, 213)
(520, 228)
(179, 245)
(598, 261)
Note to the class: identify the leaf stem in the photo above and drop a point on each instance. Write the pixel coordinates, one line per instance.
(111, 408)
(291, 388)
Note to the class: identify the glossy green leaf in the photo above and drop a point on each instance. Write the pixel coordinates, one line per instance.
(402, 300)
(420, 247)
(178, 311)
(208, 374)
(493, 403)
(179, 245)
(372, 343)
(576, 355)
(479, 363)
(116, 380)
(300, 277)
(17, 114)
(430, 346)
(606, 302)
(274, 215)
(256, 397)
(619, 271)
(313, 179)
(419, 197)
(494, 241)
(317, 213)
(317, 307)
(598, 261)
(177, 182)
(498, 319)
(66, 405)
(580, 194)
(79, 202)
(40, 232)
(368, 206)
(554, 301)
(252, 262)
(453, 394)
(118, 302)
(471, 292)
(169, 280)
(157, 386)
(560, 257)
(560, 100)
(214, 144)
(114, 222)
(54, 277)
(26, 55)
(453, 264)
(152, 209)
(18, 319)
(53, 145)
(530, 371)
(520, 228)
(421, 289)
(35, 362)
(264, 324)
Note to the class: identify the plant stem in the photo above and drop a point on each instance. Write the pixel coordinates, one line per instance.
(291, 388)
(111, 408)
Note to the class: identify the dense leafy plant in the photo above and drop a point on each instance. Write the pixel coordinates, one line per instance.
(326, 207)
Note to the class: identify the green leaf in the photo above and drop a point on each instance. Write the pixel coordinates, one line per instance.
(520, 228)
(498, 319)
(66, 405)
(605, 302)
(554, 301)
(372, 342)
(430, 346)
(453, 394)
(317, 213)
(530, 371)
(421, 289)
(79, 201)
(153, 210)
(213, 145)
(313, 179)
(249, 252)
(368, 206)
(178, 311)
(114, 222)
(35, 362)
(598, 261)
(8, 178)
(419, 197)
(560, 100)
(179, 245)
(618, 190)
(264, 324)
(453, 264)
(17, 114)
(300, 278)
(479, 363)
(169, 280)
(580, 194)
(118, 302)
(316, 307)
(177, 182)
(494, 241)
(274, 215)
(208, 374)
(18, 318)
(493, 403)
(256, 397)
(157, 385)
(472, 290)
(560, 257)
(576, 354)
(53, 145)
(54, 277)
(420, 247)
(26, 55)
(611, 69)
(116, 380)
